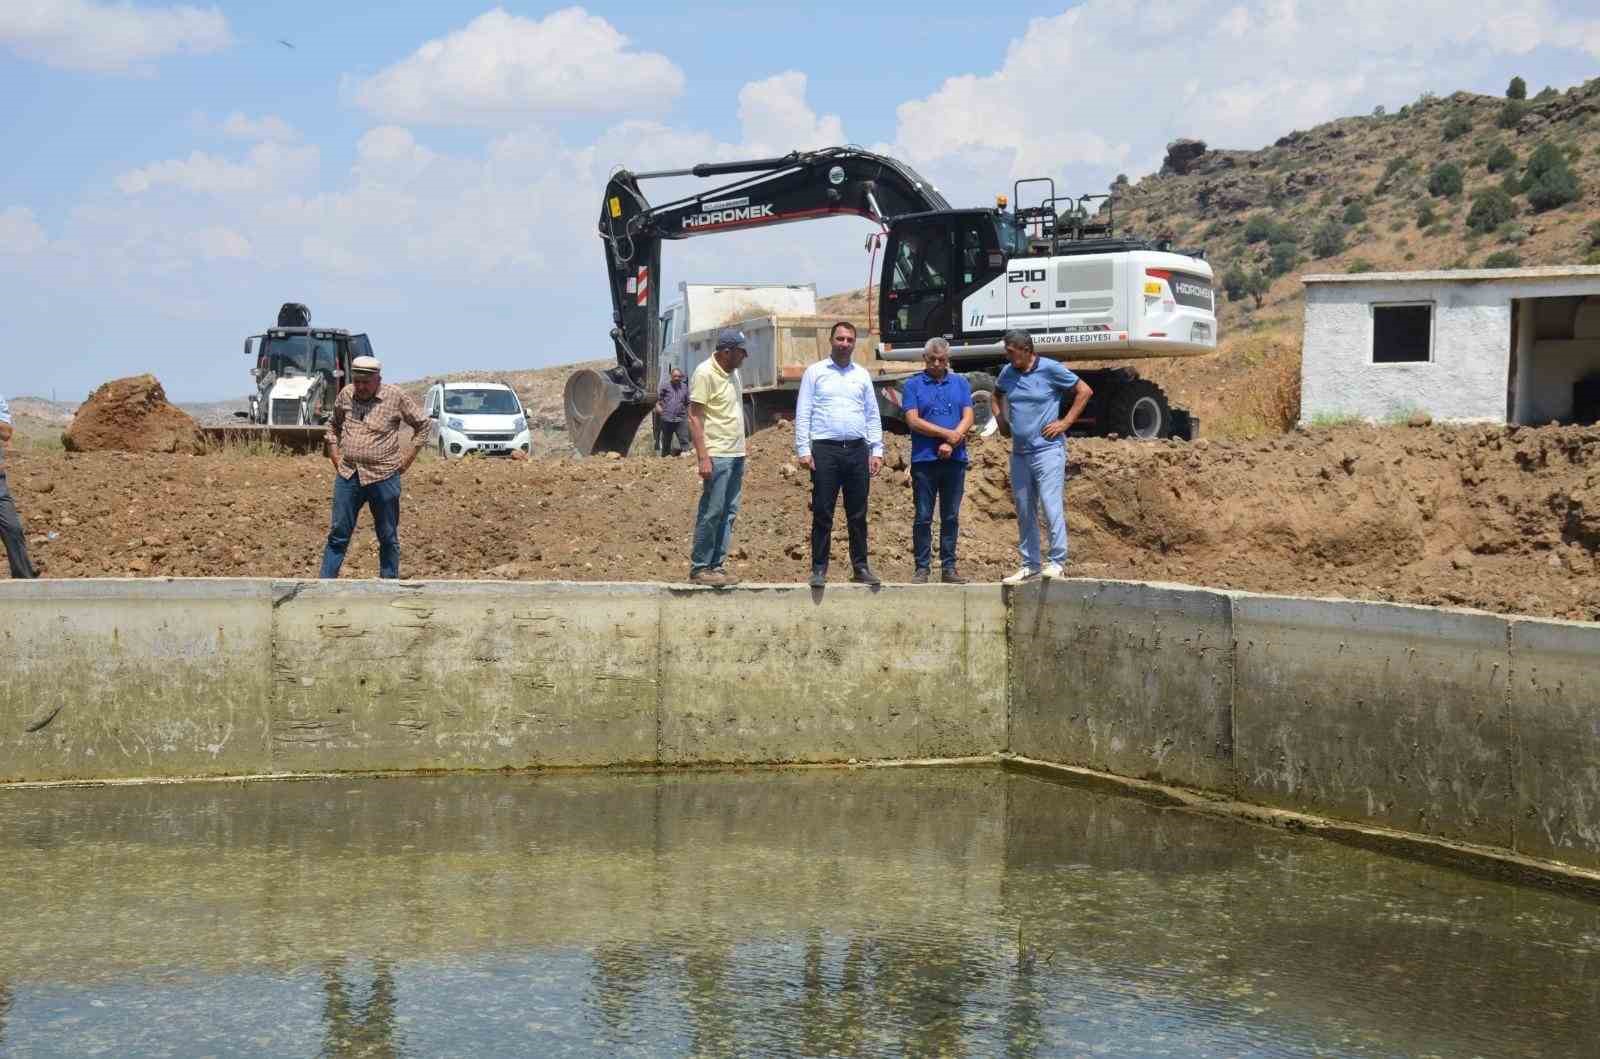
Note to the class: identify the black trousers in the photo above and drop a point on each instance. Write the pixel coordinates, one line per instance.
(840, 465)
(11, 535)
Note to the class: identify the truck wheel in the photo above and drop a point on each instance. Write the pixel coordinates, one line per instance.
(750, 424)
(982, 384)
(1138, 409)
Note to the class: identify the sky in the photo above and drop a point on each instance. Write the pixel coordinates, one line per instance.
(431, 173)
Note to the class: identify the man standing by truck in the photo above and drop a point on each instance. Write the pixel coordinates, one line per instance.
(1027, 402)
(938, 409)
(838, 437)
(716, 426)
(364, 444)
(672, 414)
(11, 532)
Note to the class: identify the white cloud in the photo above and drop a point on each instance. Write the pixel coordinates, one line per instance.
(268, 167)
(239, 126)
(83, 35)
(776, 119)
(1103, 87)
(503, 69)
(216, 243)
(20, 234)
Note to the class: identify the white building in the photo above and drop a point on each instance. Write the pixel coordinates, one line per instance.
(1486, 345)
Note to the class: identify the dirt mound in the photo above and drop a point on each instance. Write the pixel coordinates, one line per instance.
(1502, 519)
(131, 415)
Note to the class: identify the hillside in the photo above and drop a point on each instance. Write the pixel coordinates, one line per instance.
(1282, 211)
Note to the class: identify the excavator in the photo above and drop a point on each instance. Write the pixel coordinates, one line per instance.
(1056, 269)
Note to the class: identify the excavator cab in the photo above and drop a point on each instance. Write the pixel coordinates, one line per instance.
(932, 262)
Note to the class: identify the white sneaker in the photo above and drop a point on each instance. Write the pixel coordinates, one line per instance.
(1027, 573)
(1051, 571)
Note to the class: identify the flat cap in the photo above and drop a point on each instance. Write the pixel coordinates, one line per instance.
(366, 366)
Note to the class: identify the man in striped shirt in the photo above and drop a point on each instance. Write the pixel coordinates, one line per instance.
(364, 444)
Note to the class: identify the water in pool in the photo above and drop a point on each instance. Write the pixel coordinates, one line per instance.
(866, 912)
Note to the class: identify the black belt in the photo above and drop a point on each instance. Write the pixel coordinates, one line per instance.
(851, 443)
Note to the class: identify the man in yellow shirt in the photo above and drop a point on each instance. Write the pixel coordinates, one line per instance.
(716, 425)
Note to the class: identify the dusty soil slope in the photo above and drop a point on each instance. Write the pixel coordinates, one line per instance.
(131, 415)
(1503, 519)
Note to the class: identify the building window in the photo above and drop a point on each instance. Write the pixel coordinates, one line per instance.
(1402, 334)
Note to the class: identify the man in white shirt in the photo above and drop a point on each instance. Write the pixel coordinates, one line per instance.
(839, 439)
(12, 536)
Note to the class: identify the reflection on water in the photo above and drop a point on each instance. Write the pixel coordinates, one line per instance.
(897, 912)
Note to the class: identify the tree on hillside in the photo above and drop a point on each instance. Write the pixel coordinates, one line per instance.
(1285, 256)
(1235, 282)
(1517, 89)
(1456, 126)
(1328, 241)
(1490, 209)
(1549, 181)
(1511, 112)
(1500, 159)
(1445, 181)
(1355, 213)
(1256, 285)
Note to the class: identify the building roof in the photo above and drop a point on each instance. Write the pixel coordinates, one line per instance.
(1459, 275)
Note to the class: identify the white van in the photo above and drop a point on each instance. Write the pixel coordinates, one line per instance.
(482, 417)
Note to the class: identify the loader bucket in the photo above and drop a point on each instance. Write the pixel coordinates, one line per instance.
(603, 415)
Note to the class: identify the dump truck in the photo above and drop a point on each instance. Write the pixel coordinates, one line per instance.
(1056, 268)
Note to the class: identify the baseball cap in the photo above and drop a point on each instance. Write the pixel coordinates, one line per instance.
(730, 338)
(365, 366)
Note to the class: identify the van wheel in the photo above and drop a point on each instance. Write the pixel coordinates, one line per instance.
(1138, 409)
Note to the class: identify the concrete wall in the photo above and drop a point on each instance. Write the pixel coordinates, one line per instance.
(1452, 723)
(119, 679)
(1457, 724)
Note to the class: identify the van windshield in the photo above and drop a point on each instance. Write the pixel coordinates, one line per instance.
(481, 402)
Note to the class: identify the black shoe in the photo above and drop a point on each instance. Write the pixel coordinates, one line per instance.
(920, 577)
(950, 577)
(863, 575)
(819, 576)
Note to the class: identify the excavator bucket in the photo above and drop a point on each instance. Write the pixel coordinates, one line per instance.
(603, 414)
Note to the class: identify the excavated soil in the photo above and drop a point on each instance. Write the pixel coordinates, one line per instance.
(1504, 519)
(131, 415)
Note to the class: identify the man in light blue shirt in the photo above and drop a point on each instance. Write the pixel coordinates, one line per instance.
(11, 532)
(838, 437)
(1027, 402)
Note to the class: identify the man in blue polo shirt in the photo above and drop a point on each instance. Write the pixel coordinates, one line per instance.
(1027, 400)
(938, 409)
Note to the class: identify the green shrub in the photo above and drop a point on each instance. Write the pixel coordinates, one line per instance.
(1549, 181)
(1490, 209)
(1547, 92)
(1258, 229)
(1256, 285)
(1593, 258)
(1234, 282)
(1511, 232)
(1445, 180)
(1425, 215)
(1285, 256)
(1517, 89)
(1397, 225)
(1594, 236)
(1500, 159)
(1456, 126)
(1511, 183)
(1511, 112)
(1328, 240)
(1442, 228)
(1555, 189)
(1354, 213)
(1503, 259)
(1360, 264)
